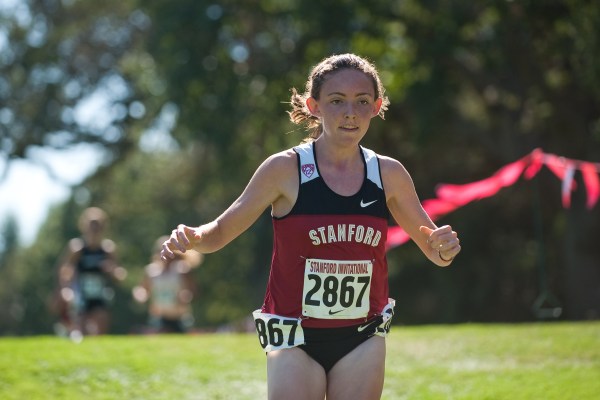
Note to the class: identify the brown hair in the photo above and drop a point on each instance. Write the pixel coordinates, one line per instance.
(300, 113)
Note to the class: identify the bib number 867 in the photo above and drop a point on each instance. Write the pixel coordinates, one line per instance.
(277, 332)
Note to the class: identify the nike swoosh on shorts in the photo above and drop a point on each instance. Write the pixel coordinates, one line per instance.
(365, 326)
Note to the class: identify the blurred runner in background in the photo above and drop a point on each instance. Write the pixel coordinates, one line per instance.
(169, 288)
(87, 269)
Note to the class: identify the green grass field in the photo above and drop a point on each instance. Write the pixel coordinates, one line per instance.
(528, 361)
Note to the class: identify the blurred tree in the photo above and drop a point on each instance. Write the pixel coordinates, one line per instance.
(9, 242)
(494, 81)
(11, 312)
(64, 77)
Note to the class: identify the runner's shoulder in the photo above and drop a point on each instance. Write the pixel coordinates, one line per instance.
(393, 170)
(282, 162)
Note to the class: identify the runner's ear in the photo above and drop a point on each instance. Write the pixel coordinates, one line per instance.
(313, 106)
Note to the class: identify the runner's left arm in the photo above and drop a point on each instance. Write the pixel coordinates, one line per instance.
(405, 206)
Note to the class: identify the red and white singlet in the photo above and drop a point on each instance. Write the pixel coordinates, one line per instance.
(329, 266)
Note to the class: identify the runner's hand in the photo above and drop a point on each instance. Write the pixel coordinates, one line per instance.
(444, 240)
(182, 238)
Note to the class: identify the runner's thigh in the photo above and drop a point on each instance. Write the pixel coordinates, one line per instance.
(293, 375)
(359, 375)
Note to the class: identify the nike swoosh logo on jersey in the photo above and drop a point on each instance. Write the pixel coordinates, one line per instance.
(363, 204)
(335, 312)
(365, 326)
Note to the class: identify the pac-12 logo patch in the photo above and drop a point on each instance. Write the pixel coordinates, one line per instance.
(308, 169)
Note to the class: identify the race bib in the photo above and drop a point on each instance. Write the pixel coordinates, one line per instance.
(92, 286)
(276, 332)
(336, 289)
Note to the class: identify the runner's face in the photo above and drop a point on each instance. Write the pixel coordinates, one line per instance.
(93, 233)
(346, 104)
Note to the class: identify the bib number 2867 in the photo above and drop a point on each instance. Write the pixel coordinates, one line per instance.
(336, 289)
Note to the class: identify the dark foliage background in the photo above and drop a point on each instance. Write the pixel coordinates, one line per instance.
(197, 91)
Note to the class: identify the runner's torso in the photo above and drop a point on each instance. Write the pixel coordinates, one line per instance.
(91, 277)
(165, 289)
(329, 264)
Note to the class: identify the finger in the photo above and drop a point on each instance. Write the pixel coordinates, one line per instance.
(429, 232)
(166, 254)
(445, 247)
(447, 237)
(178, 245)
(444, 229)
(426, 230)
(452, 251)
(182, 234)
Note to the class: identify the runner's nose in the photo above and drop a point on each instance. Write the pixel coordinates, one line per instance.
(349, 112)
